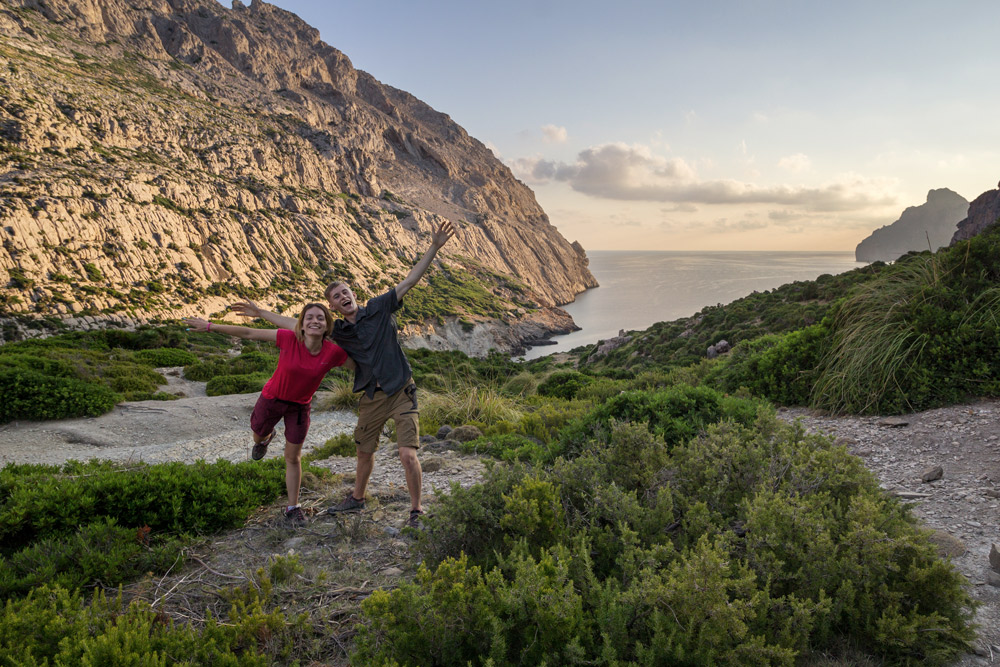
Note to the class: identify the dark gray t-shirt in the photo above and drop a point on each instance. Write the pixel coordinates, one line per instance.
(371, 342)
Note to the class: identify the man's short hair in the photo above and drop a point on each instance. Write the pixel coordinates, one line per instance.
(326, 292)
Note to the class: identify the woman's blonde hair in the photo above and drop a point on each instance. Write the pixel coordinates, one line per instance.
(302, 316)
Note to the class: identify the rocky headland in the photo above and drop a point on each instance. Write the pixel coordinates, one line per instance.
(928, 226)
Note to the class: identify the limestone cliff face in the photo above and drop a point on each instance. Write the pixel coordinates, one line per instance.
(984, 211)
(160, 158)
(933, 222)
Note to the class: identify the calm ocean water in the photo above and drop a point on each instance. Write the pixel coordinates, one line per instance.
(640, 288)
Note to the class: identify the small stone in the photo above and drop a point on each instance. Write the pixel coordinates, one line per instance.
(995, 558)
(392, 571)
(391, 531)
(431, 464)
(443, 432)
(932, 474)
(993, 578)
(947, 544)
(894, 422)
(993, 493)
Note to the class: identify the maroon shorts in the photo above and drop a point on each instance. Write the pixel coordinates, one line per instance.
(269, 411)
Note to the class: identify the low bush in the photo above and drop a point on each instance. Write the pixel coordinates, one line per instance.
(781, 368)
(250, 383)
(40, 502)
(563, 384)
(53, 625)
(36, 396)
(163, 357)
(709, 532)
(509, 447)
(677, 414)
(250, 361)
(101, 552)
(338, 445)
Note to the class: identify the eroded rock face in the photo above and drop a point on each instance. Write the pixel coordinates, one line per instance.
(930, 224)
(161, 159)
(984, 211)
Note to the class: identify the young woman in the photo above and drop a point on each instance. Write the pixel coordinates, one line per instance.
(304, 358)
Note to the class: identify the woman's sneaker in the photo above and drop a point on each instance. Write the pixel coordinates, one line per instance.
(295, 516)
(348, 504)
(260, 448)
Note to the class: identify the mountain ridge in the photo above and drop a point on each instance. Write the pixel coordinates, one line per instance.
(160, 159)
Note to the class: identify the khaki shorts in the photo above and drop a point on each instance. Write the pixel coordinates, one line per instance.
(374, 412)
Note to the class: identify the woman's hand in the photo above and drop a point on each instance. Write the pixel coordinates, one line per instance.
(246, 309)
(196, 323)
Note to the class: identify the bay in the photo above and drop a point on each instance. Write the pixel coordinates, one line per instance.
(639, 288)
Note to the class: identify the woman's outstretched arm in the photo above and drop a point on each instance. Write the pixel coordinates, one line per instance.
(199, 324)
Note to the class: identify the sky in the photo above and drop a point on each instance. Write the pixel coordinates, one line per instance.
(714, 125)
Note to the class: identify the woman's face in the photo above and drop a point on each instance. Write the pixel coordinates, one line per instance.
(314, 321)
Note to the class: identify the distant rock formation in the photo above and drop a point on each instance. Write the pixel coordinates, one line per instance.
(983, 212)
(163, 158)
(935, 219)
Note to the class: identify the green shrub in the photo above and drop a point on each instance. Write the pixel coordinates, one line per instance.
(251, 383)
(688, 541)
(563, 384)
(677, 414)
(781, 368)
(163, 357)
(35, 396)
(251, 361)
(339, 445)
(100, 553)
(457, 615)
(56, 626)
(509, 447)
(38, 502)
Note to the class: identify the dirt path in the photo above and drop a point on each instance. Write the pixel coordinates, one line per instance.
(963, 506)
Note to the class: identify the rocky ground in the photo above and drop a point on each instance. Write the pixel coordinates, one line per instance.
(955, 449)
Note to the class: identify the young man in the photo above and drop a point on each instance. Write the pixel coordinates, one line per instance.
(368, 334)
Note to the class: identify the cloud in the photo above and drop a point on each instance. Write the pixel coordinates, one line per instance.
(795, 163)
(633, 173)
(680, 208)
(553, 134)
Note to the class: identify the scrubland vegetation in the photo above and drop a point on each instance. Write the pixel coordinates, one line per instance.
(644, 508)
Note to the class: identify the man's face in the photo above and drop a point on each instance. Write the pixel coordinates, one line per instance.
(341, 299)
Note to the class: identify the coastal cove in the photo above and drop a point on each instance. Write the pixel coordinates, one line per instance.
(639, 288)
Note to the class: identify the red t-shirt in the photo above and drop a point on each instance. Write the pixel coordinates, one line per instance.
(299, 373)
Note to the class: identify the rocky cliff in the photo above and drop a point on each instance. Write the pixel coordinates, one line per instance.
(160, 158)
(930, 223)
(984, 211)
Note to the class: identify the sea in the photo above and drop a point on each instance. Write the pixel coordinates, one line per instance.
(640, 288)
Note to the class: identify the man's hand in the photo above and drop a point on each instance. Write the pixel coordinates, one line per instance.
(443, 232)
(246, 309)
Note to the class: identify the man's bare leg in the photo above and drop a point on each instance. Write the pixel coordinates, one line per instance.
(414, 476)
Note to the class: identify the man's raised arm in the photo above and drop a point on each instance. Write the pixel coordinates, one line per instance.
(441, 235)
(250, 309)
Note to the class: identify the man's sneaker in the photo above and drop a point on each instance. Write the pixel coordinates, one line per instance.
(295, 516)
(260, 448)
(414, 520)
(348, 504)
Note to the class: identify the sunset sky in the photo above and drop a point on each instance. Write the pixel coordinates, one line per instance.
(729, 125)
